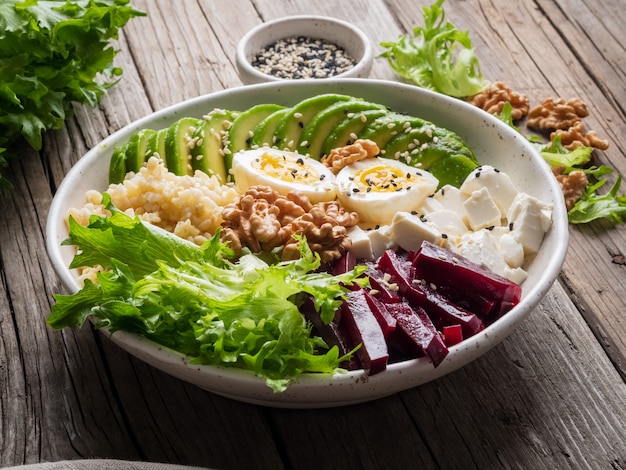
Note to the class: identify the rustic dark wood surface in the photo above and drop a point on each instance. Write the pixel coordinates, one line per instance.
(552, 395)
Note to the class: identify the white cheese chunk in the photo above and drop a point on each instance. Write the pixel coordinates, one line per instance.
(408, 231)
(481, 247)
(511, 249)
(429, 205)
(447, 221)
(481, 210)
(499, 184)
(380, 240)
(361, 243)
(451, 198)
(529, 219)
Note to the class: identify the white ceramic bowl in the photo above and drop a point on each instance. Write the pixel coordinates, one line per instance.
(493, 143)
(339, 32)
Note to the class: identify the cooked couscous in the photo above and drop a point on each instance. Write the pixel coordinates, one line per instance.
(189, 206)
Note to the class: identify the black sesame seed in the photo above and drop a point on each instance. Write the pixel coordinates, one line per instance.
(300, 161)
(511, 226)
(301, 57)
(443, 235)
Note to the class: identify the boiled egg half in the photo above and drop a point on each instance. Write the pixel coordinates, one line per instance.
(377, 188)
(284, 171)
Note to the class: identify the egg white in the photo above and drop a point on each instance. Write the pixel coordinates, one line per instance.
(377, 188)
(284, 171)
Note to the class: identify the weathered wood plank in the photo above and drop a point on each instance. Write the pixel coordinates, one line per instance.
(548, 397)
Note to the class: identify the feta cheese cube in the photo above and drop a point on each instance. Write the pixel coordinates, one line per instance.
(481, 210)
(511, 249)
(408, 231)
(481, 247)
(499, 184)
(429, 205)
(447, 221)
(380, 240)
(529, 219)
(361, 243)
(452, 198)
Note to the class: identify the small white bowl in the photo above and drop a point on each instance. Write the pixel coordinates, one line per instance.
(341, 33)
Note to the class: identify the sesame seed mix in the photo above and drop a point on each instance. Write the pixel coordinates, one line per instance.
(300, 57)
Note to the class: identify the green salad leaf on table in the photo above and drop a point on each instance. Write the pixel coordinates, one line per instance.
(53, 53)
(198, 301)
(438, 57)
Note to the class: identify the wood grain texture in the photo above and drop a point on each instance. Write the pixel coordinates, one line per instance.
(550, 396)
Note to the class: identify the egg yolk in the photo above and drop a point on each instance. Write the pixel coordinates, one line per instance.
(285, 169)
(384, 178)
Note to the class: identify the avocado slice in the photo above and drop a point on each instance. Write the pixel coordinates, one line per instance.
(177, 148)
(382, 130)
(137, 149)
(265, 132)
(208, 154)
(156, 144)
(117, 165)
(348, 130)
(290, 128)
(324, 122)
(452, 170)
(242, 130)
(423, 146)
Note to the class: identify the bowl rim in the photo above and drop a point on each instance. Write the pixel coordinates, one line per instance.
(170, 361)
(362, 64)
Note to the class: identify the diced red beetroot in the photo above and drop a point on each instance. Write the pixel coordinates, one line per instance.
(399, 268)
(475, 304)
(362, 326)
(452, 334)
(332, 333)
(418, 294)
(442, 267)
(442, 309)
(382, 290)
(344, 264)
(386, 321)
(415, 323)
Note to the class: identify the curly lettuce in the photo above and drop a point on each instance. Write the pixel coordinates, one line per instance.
(53, 53)
(198, 301)
(438, 57)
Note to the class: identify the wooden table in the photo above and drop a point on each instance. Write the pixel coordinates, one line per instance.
(552, 395)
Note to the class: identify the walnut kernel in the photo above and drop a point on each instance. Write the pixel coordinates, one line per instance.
(263, 220)
(575, 137)
(493, 98)
(344, 156)
(557, 114)
(573, 185)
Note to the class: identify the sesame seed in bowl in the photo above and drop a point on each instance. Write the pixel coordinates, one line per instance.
(303, 47)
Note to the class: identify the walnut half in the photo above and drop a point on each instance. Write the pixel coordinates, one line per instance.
(557, 114)
(493, 98)
(573, 185)
(263, 220)
(575, 137)
(341, 157)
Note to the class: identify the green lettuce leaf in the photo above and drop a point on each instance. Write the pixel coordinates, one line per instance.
(592, 206)
(438, 57)
(200, 302)
(53, 53)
